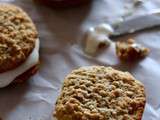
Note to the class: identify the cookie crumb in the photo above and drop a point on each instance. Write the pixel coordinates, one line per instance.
(130, 50)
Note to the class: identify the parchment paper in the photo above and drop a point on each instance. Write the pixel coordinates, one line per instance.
(60, 33)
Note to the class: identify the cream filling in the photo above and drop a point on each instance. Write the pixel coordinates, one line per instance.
(96, 36)
(7, 77)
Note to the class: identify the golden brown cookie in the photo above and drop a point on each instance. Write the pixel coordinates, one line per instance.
(17, 37)
(19, 46)
(100, 93)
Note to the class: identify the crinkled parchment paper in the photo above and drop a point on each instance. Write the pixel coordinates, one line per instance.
(60, 33)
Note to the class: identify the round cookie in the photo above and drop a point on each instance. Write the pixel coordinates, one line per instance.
(17, 37)
(100, 93)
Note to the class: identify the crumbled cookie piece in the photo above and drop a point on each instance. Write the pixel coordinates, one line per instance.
(17, 37)
(100, 93)
(130, 50)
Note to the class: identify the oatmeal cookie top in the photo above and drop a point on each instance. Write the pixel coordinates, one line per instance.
(100, 93)
(17, 36)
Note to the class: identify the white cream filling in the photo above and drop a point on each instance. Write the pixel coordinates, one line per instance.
(96, 36)
(104, 29)
(7, 77)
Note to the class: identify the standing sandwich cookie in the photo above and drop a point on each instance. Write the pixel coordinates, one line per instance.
(19, 45)
(100, 93)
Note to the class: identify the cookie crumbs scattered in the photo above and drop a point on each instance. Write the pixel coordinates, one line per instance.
(130, 50)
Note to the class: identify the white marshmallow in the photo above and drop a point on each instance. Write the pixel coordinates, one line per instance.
(95, 37)
(104, 29)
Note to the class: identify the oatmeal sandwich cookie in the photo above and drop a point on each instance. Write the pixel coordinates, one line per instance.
(19, 45)
(100, 93)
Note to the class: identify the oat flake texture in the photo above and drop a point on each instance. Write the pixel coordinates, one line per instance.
(100, 93)
(17, 36)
